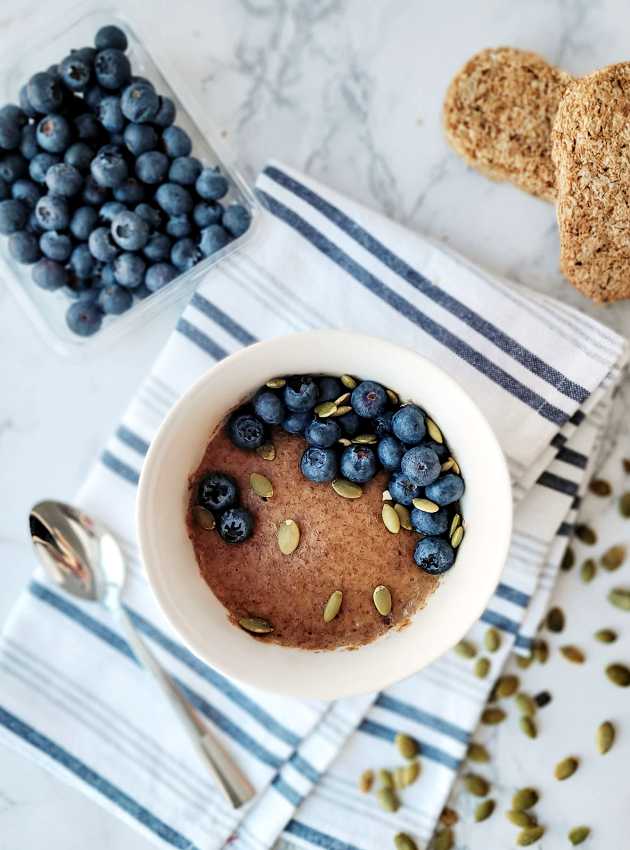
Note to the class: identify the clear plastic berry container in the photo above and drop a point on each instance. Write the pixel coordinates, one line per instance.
(46, 309)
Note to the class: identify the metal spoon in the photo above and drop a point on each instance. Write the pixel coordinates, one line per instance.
(84, 559)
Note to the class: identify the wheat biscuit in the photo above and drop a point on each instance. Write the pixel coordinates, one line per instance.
(498, 115)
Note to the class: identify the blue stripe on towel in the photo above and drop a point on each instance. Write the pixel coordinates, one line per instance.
(406, 308)
(378, 730)
(424, 717)
(512, 594)
(315, 837)
(287, 791)
(200, 339)
(491, 332)
(94, 780)
(523, 642)
(500, 622)
(132, 440)
(304, 767)
(222, 319)
(558, 483)
(117, 466)
(567, 455)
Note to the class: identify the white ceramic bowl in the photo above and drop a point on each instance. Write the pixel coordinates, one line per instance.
(199, 617)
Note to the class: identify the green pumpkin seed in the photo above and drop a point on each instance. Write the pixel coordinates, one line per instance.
(399, 779)
(588, 570)
(476, 784)
(620, 598)
(606, 636)
(478, 753)
(530, 836)
(388, 799)
(203, 518)
(331, 609)
(348, 381)
(524, 661)
(585, 534)
(541, 651)
(613, 558)
(465, 649)
(579, 834)
(426, 505)
(481, 668)
(346, 489)
(344, 441)
(492, 638)
(448, 464)
(458, 536)
(626, 465)
(599, 487)
(455, 467)
(365, 439)
(566, 768)
(261, 485)
(342, 398)
(525, 705)
(404, 517)
(326, 409)
(454, 523)
(448, 817)
(256, 625)
(407, 746)
(276, 383)
(555, 620)
(386, 778)
(411, 772)
(524, 799)
(605, 736)
(443, 839)
(618, 674)
(390, 518)
(484, 810)
(507, 686)
(267, 451)
(402, 841)
(520, 818)
(342, 410)
(573, 654)
(288, 536)
(624, 505)
(382, 600)
(366, 780)
(433, 431)
(528, 727)
(491, 716)
(568, 559)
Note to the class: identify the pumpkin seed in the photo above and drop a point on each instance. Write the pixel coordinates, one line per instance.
(585, 534)
(525, 704)
(484, 810)
(620, 598)
(443, 839)
(492, 638)
(519, 818)
(276, 383)
(455, 467)
(344, 441)
(267, 451)
(386, 778)
(390, 518)
(326, 409)
(203, 518)
(482, 667)
(524, 661)
(448, 464)
(491, 716)
(411, 772)
(433, 431)
(402, 841)
(366, 780)
(476, 784)
(507, 686)
(458, 536)
(542, 699)
(261, 485)
(346, 489)
(618, 674)
(555, 620)
(613, 558)
(399, 779)
(541, 651)
(426, 505)
(566, 768)
(342, 410)
(256, 625)
(465, 649)
(626, 465)
(568, 559)
(528, 727)
(524, 799)
(404, 517)
(605, 736)
(388, 799)
(588, 570)
(365, 439)
(288, 536)
(478, 753)
(342, 398)
(606, 636)
(393, 397)
(599, 487)
(382, 600)
(331, 609)
(387, 496)
(407, 746)
(579, 834)
(448, 817)
(348, 381)
(573, 654)
(530, 836)
(454, 523)
(624, 505)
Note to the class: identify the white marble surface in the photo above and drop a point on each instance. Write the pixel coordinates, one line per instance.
(351, 92)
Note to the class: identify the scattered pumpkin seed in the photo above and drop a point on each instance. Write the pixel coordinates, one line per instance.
(482, 667)
(261, 485)
(288, 536)
(331, 609)
(344, 441)
(478, 753)
(411, 772)
(402, 841)
(613, 558)
(388, 799)
(530, 836)
(620, 598)
(524, 661)
(524, 799)
(407, 746)
(492, 638)
(573, 654)
(626, 465)
(455, 467)
(475, 784)
(386, 778)
(542, 699)
(491, 716)
(448, 464)
(605, 736)
(393, 397)
(541, 651)
(347, 489)
(579, 834)
(365, 439)
(404, 517)
(507, 686)
(326, 409)
(585, 534)
(454, 523)
(256, 625)
(520, 818)
(528, 727)
(525, 705)
(276, 383)
(600, 487)
(399, 779)
(555, 620)
(267, 451)
(203, 518)
(618, 674)
(342, 398)
(624, 505)
(434, 431)
(382, 600)
(348, 381)
(566, 768)
(606, 636)
(390, 518)
(443, 839)
(342, 410)
(448, 817)
(465, 649)
(458, 536)
(588, 570)
(484, 810)
(366, 780)
(568, 559)
(426, 505)
(387, 496)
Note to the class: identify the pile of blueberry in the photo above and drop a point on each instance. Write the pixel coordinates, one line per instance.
(218, 494)
(354, 429)
(98, 188)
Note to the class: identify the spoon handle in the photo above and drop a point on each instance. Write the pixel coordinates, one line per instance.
(226, 774)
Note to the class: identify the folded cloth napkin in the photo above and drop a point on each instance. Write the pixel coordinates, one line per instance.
(542, 373)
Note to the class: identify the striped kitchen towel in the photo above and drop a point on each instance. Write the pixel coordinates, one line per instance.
(543, 374)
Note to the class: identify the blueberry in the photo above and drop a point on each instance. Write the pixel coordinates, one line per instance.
(24, 247)
(93, 193)
(178, 226)
(13, 216)
(141, 292)
(85, 54)
(269, 407)
(151, 167)
(368, 399)
(114, 300)
(402, 489)
(427, 523)
(129, 270)
(151, 215)
(79, 156)
(174, 199)
(112, 68)
(184, 254)
(88, 127)
(296, 423)
(390, 452)
(26, 191)
(322, 432)
(434, 555)
(84, 318)
(75, 72)
(157, 248)
(110, 36)
(358, 464)
(140, 103)
(140, 138)
(101, 245)
(10, 135)
(439, 448)
(211, 185)
(5, 191)
(78, 290)
(109, 168)
(176, 142)
(159, 275)
(166, 113)
(63, 179)
(52, 213)
(110, 114)
(12, 112)
(236, 219)
(421, 465)
(55, 246)
(350, 423)
(329, 389)
(25, 104)
(83, 222)
(185, 170)
(130, 231)
(28, 141)
(44, 92)
(107, 277)
(12, 167)
(93, 96)
(39, 165)
(32, 225)
(130, 191)
(110, 210)
(206, 214)
(301, 393)
(235, 525)
(319, 465)
(408, 424)
(53, 133)
(246, 430)
(49, 275)
(383, 423)
(217, 492)
(446, 490)
(82, 262)
(213, 238)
